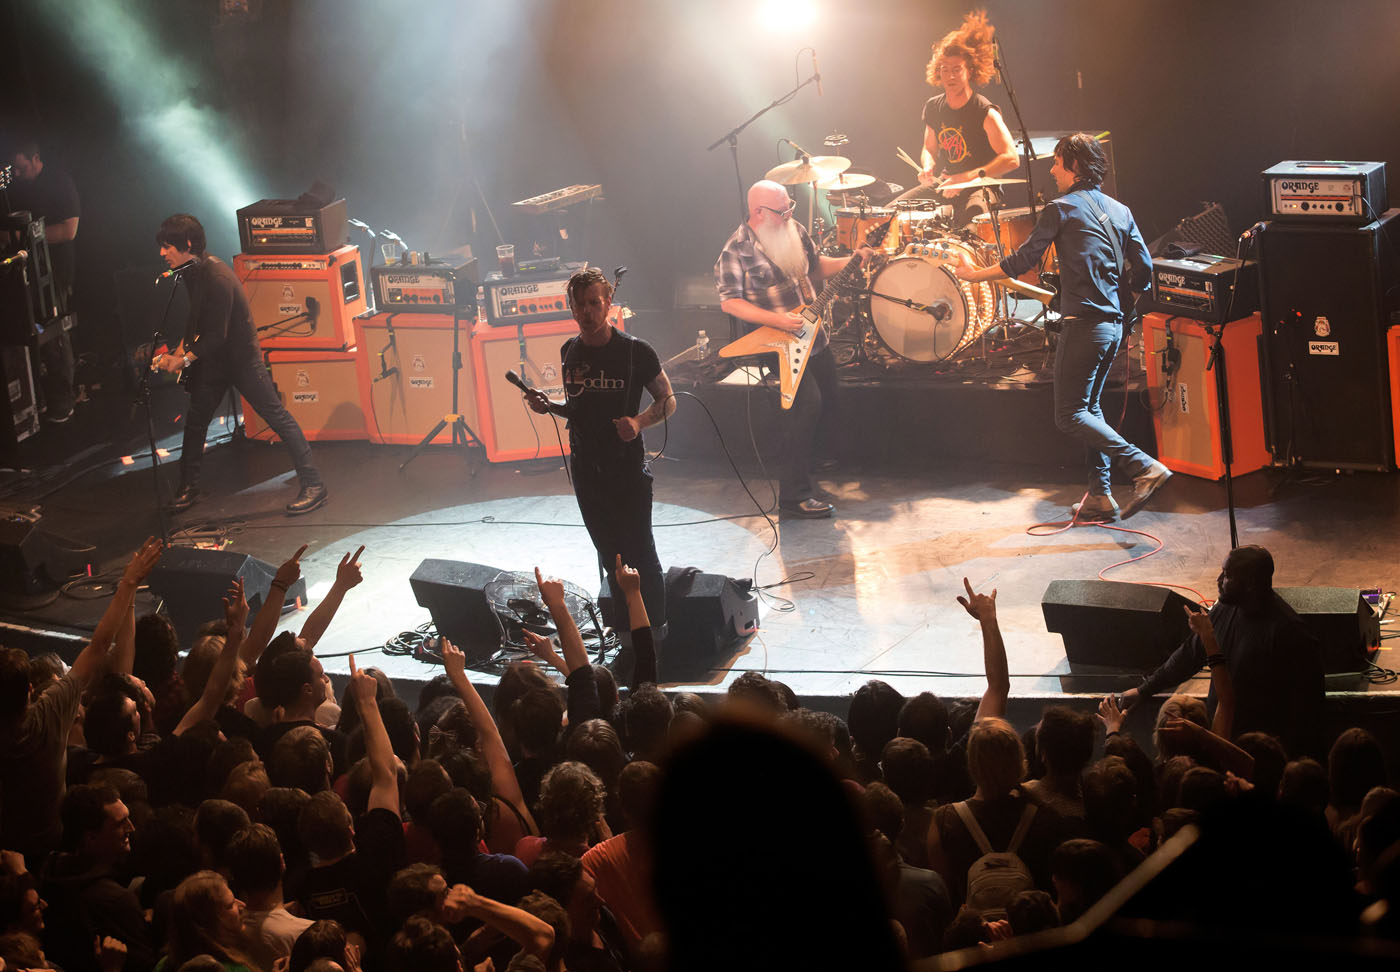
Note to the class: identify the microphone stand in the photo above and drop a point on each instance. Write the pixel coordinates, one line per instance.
(732, 137)
(1000, 65)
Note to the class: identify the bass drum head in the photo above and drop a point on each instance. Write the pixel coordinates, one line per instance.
(912, 333)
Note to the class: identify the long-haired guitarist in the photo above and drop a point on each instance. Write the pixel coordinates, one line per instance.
(220, 351)
(769, 269)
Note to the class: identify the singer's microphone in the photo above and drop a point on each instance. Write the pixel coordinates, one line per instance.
(815, 73)
(16, 257)
(514, 379)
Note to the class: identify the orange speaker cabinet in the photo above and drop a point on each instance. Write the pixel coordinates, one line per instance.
(1392, 345)
(283, 289)
(322, 391)
(509, 430)
(415, 350)
(1184, 403)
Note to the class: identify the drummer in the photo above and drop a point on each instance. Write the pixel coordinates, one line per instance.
(964, 134)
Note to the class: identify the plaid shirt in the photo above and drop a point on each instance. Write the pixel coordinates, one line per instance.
(744, 271)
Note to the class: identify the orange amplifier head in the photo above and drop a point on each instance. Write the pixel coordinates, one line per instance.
(435, 288)
(528, 297)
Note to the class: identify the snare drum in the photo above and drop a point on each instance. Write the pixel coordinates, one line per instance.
(1016, 226)
(949, 314)
(853, 224)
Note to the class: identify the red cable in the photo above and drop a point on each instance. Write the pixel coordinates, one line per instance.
(1059, 527)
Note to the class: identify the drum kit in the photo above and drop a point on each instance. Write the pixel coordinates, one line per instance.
(909, 304)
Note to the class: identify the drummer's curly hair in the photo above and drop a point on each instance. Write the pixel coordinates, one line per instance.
(973, 42)
(586, 278)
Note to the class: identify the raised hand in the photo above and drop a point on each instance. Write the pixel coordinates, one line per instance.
(110, 953)
(551, 590)
(628, 580)
(1200, 623)
(627, 428)
(363, 687)
(1111, 715)
(290, 571)
(348, 575)
(235, 605)
(983, 607)
(143, 561)
(454, 662)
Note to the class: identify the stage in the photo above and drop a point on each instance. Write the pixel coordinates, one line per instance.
(872, 591)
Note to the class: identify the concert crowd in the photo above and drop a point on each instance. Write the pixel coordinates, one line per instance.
(212, 806)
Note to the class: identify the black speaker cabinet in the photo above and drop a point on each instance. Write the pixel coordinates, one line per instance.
(706, 615)
(1341, 619)
(1326, 294)
(454, 592)
(192, 582)
(1109, 627)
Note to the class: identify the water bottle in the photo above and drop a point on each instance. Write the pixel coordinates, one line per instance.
(702, 342)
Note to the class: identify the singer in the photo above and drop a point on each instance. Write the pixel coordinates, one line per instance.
(1103, 264)
(605, 371)
(220, 351)
(964, 133)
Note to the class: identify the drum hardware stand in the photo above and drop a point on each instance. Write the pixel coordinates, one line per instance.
(732, 137)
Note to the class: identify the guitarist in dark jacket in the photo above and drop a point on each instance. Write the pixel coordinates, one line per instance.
(768, 270)
(1103, 264)
(220, 351)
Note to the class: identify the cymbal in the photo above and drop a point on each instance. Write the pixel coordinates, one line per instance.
(847, 182)
(817, 168)
(983, 182)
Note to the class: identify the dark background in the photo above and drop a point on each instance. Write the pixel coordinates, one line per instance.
(426, 115)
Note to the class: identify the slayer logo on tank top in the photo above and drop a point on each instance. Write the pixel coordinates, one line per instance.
(953, 143)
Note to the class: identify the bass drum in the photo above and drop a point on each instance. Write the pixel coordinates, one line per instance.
(920, 308)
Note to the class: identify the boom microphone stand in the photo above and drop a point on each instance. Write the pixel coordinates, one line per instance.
(1000, 65)
(462, 434)
(732, 137)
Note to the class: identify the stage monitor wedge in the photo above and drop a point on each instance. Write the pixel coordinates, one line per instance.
(192, 582)
(1109, 626)
(454, 592)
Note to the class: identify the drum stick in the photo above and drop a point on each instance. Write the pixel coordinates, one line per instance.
(904, 157)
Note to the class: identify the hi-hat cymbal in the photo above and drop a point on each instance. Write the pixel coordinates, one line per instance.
(817, 168)
(982, 182)
(847, 182)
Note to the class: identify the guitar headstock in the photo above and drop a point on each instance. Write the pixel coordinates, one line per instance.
(877, 234)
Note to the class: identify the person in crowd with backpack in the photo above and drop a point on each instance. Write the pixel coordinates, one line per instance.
(998, 843)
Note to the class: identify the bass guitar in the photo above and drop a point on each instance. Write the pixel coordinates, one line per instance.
(793, 349)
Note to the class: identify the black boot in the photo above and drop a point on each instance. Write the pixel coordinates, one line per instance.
(310, 498)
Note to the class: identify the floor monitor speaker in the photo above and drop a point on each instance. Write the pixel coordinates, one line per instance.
(1109, 626)
(192, 582)
(454, 592)
(1342, 620)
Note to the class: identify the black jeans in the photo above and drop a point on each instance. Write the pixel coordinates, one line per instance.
(250, 379)
(803, 424)
(616, 509)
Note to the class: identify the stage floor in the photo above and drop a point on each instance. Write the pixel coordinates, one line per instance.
(872, 591)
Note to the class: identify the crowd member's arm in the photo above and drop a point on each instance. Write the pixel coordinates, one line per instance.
(265, 623)
(503, 781)
(1111, 715)
(1193, 737)
(122, 658)
(643, 644)
(1223, 725)
(582, 684)
(534, 935)
(384, 780)
(90, 660)
(983, 607)
(543, 649)
(347, 575)
(225, 666)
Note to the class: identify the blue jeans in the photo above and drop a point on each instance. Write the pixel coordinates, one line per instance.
(1082, 361)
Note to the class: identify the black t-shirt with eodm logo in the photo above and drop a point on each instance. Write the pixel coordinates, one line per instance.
(602, 384)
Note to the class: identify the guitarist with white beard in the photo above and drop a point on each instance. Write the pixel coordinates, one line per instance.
(768, 270)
